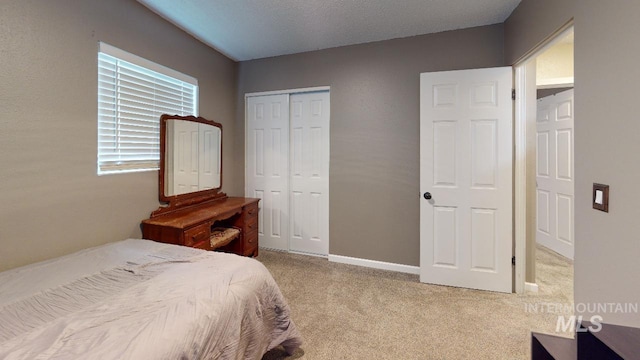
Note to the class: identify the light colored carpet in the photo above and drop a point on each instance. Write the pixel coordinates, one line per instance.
(351, 312)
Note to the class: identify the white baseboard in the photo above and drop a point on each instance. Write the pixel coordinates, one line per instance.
(530, 287)
(292, 252)
(272, 249)
(375, 264)
(307, 254)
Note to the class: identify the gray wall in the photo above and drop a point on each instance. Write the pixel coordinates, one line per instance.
(374, 174)
(531, 144)
(606, 138)
(52, 201)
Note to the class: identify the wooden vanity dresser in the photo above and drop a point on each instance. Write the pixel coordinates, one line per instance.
(192, 225)
(190, 180)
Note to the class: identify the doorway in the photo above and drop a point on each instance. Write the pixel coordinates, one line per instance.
(544, 158)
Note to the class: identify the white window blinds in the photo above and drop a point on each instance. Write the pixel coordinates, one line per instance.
(132, 94)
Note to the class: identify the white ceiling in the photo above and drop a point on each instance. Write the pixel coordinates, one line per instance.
(252, 29)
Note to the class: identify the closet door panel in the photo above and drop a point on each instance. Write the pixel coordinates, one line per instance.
(309, 181)
(267, 166)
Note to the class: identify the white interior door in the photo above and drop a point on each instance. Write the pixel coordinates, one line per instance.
(466, 167)
(309, 181)
(554, 173)
(267, 172)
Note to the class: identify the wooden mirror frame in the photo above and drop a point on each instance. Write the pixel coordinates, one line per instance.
(176, 202)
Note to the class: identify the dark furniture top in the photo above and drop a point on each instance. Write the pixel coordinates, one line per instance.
(214, 210)
(195, 226)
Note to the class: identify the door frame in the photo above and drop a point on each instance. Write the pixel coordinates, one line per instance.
(520, 154)
(284, 92)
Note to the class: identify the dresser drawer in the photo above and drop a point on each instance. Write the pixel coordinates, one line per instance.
(251, 210)
(204, 245)
(250, 243)
(251, 238)
(197, 234)
(251, 224)
(251, 218)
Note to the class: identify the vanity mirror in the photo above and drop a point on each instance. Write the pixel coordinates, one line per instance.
(198, 214)
(190, 160)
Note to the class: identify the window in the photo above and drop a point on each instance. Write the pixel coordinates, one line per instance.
(132, 94)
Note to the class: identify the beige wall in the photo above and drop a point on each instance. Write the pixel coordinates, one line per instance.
(52, 200)
(374, 181)
(555, 66)
(606, 139)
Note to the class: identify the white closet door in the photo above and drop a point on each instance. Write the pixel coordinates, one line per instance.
(309, 181)
(554, 173)
(267, 172)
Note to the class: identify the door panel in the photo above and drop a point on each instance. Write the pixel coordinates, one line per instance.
(445, 237)
(542, 166)
(465, 163)
(483, 153)
(544, 214)
(483, 239)
(309, 191)
(555, 176)
(444, 153)
(268, 166)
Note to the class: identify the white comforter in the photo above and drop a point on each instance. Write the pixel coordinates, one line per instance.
(138, 299)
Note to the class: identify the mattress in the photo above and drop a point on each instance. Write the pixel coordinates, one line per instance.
(139, 299)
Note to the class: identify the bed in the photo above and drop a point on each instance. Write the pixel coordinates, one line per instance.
(139, 299)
